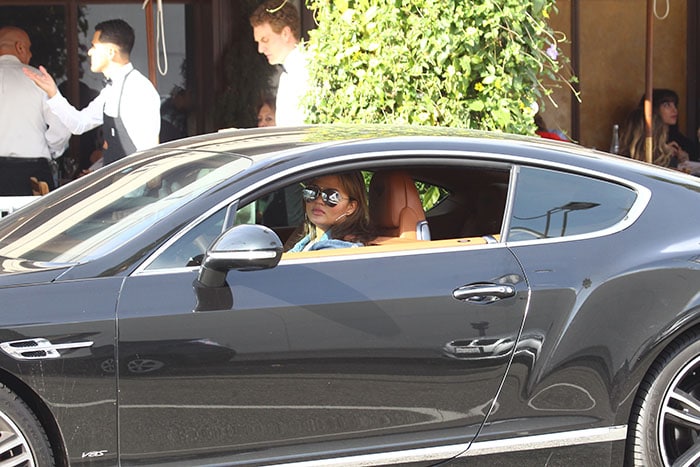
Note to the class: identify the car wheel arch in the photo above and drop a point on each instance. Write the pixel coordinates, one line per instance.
(668, 351)
(41, 411)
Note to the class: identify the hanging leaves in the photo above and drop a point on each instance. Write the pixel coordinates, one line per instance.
(477, 64)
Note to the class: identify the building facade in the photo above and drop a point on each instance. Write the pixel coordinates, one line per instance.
(205, 64)
(606, 41)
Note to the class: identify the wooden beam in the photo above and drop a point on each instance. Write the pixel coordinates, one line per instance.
(692, 89)
(649, 76)
(576, 68)
(151, 43)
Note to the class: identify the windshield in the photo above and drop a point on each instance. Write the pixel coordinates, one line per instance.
(97, 214)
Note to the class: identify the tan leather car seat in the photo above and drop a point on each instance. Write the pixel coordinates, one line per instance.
(395, 207)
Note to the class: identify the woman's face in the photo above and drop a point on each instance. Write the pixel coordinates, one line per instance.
(266, 116)
(669, 113)
(319, 212)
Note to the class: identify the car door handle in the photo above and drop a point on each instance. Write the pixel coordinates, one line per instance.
(483, 293)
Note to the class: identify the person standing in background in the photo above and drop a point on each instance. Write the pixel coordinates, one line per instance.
(128, 105)
(31, 136)
(277, 31)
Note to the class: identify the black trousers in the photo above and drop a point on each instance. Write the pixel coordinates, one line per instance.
(15, 173)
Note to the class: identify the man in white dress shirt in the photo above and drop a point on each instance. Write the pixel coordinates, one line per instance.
(30, 134)
(128, 106)
(277, 30)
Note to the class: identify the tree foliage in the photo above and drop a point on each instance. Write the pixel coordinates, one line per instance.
(475, 64)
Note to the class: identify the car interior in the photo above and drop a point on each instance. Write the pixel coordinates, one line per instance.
(468, 209)
(410, 207)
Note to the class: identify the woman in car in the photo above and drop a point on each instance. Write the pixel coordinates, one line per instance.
(337, 215)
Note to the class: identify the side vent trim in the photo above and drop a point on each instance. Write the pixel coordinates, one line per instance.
(39, 348)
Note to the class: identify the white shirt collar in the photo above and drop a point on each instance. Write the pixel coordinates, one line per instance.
(118, 76)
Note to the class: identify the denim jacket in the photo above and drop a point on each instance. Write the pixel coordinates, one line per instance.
(323, 243)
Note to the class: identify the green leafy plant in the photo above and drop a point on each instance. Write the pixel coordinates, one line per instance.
(475, 64)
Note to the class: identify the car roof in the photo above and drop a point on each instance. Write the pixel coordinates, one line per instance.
(254, 142)
(277, 145)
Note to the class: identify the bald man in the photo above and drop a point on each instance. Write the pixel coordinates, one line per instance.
(31, 136)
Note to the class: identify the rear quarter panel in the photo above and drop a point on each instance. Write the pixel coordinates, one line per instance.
(604, 308)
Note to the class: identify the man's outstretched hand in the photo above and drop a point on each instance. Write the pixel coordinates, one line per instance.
(42, 79)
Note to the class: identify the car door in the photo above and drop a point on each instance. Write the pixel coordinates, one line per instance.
(322, 356)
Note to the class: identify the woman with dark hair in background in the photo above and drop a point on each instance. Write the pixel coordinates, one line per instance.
(633, 139)
(665, 105)
(665, 152)
(266, 112)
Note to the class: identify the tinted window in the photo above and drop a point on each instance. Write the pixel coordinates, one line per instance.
(461, 202)
(99, 213)
(557, 204)
(189, 248)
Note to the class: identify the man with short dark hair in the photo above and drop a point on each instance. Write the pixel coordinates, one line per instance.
(128, 106)
(30, 134)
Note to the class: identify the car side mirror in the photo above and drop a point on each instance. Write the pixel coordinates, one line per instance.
(245, 247)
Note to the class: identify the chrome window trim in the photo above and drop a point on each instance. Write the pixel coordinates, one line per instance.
(478, 448)
(512, 162)
(408, 252)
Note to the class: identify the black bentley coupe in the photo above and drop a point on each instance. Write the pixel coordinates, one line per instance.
(525, 302)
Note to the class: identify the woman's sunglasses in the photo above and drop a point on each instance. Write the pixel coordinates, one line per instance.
(330, 196)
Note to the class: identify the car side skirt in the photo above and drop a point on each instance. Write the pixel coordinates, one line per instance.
(483, 448)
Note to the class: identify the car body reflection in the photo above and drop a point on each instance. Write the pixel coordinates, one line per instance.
(495, 348)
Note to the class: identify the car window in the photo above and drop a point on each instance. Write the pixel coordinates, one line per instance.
(92, 220)
(430, 195)
(551, 204)
(457, 203)
(189, 249)
(281, 210)
(461, 207)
